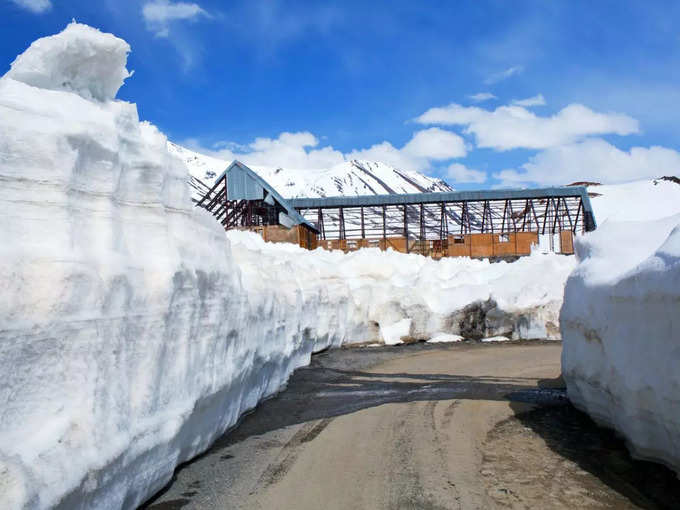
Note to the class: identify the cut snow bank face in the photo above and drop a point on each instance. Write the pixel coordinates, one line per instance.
(80, 59)
(620, 326)
(133, 332)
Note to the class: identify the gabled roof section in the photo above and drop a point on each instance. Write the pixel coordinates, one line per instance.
(243, 183)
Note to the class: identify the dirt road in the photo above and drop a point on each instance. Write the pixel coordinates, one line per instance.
(453, 426)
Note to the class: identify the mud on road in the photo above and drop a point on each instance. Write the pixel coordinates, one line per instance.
(421, 426)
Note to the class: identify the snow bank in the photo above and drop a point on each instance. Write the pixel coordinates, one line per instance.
(133, 332)
(621, 330)
(409, 297)
(644, 200)
(80, 59)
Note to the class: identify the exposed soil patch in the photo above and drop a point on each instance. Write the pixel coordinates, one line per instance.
(557, 457)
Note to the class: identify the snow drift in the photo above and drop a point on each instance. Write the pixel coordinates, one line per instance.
(620, 326)
(133, 332)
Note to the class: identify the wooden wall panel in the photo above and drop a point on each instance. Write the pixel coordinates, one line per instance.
(567, 242)
(458, 249)
(481, 245)
(524, 241)
(504, 245)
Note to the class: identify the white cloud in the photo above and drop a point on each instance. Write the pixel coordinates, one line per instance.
(159, 13)
(435, 143)
(35, 6)
(512, 127)
(503, 75)
(460, 173)
(593, 160)
(425, 146)
(537, 100)
(301, 151)
(290, 150)
(481, 97)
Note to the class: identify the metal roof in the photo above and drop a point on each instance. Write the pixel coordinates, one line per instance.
(250, 185)
(453, 196)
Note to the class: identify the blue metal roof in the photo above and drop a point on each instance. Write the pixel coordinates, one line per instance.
(453, 196)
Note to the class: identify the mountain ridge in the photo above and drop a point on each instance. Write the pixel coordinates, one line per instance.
(350, 178)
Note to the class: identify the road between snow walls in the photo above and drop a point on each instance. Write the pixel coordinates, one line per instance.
(621, 334)
(133, 332)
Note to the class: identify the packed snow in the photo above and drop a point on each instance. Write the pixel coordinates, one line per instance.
(445, 338)
(620, 320)
(350, 178)
(134, 332)
(643, 200)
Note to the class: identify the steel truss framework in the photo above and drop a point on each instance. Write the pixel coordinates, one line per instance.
(235, 213)
(416, 217)
(438, 220)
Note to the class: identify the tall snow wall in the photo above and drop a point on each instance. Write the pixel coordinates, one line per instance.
(132, 331)
(620, 325)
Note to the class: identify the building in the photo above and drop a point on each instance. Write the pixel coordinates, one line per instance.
(241, 199)
(484, 224)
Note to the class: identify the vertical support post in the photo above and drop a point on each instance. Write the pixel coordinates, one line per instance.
(384, 225)
(483, 216)
(463, 219)
(422, 222)
(533, 209)
(363, 229)
(468, 224)
(406, 227)
(322, 230)
(488, 209)
(557, 221)
(226, 201)
(342, 223)
(442, 221)
(578, 213)
(566, 208)
(512, 216)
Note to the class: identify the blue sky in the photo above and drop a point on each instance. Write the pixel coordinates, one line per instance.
(423, 85)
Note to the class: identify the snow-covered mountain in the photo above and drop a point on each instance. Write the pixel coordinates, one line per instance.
(348, 178)
(633, 201)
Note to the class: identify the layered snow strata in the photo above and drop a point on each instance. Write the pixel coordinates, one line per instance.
(128, 339)
(132, 331)
(621, 330)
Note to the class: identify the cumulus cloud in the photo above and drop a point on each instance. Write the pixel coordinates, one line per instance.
(503, 75)
(289, 150)
(158, 14)
(513, 127)
(481, 97)
(458, 172)
(425, 146)
(301, 151)
(435, 143)
(35, 6)
(537, 100)
(593, 160)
